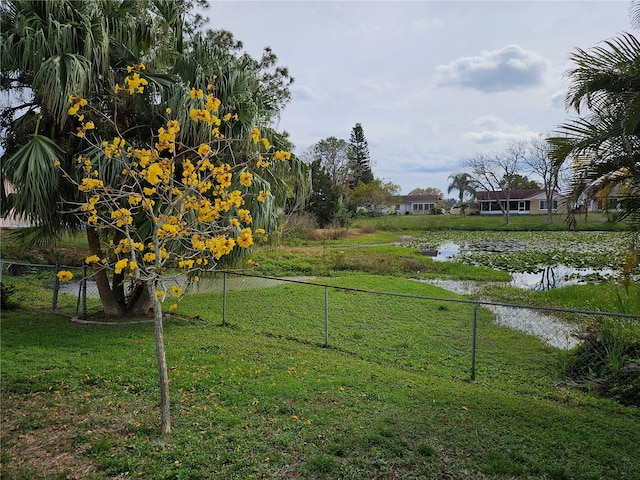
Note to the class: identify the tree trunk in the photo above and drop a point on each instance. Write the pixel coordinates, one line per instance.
(165, 413)
(549, 196)
(108, 299)
(139, 302)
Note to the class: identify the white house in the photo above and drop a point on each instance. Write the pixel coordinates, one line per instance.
(417, 204)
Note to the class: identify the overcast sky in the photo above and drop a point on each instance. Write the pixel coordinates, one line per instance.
(432, 83)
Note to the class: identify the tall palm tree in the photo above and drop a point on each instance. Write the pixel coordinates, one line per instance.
(463, 183)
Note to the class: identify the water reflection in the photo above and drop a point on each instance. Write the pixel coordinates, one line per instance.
(556, 276)
(550, 276)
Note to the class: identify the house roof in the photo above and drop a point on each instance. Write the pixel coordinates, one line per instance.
(420, 198)
(513, 194)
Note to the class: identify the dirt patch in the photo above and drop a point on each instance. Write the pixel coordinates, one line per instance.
(50, 451)
(61, 449)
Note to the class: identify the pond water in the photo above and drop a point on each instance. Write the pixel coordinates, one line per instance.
(534, 263)
(548, 328)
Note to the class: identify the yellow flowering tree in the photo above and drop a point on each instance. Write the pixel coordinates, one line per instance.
(177, 209)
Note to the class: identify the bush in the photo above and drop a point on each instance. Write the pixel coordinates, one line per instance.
(6, 292)
(607, 362)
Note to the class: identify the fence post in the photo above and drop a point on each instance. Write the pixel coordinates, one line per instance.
(224, 299)
(56, 288)
(326, 317)
(83, 292)
(473, 343)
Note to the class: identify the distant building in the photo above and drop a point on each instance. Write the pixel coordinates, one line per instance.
(524, 202)
(418, 204)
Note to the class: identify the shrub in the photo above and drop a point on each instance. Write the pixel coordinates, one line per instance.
(6, 292)
(608, 360)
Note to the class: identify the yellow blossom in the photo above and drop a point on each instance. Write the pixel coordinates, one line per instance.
(185, 263)
(245, 239)
(263, 195)
(203, 149)
(92, 259)
(255, 135)
(135, 83)
(244, 215)
(175, 290)
(200, 115)
(282, 155)
(154, 174)
(265, 143)
(213, 103)
(64, 276)
(122, 217)
(224, 179)
(135, 199)
(246, 178)
(120, 265)
(262, 163)
(89, 184)
(149, 257)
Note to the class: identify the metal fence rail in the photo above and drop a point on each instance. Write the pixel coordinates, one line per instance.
(302, 309)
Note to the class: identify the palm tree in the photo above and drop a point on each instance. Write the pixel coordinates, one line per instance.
(604, 142)
(52, 50)
(57, 48)
(463, 183)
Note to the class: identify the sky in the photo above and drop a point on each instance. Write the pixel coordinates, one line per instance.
(432, 83)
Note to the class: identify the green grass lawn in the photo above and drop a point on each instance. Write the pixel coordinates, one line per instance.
(262, 398)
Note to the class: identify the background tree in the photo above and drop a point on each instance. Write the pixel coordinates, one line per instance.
(359, 158)
(333, 155)
(376, 195)
(540, 162)
(324, 200)
(427, 191)
(494, 173)
(519, 182)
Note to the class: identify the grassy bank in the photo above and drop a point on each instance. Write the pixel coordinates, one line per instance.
(485, 222)
(261, 398)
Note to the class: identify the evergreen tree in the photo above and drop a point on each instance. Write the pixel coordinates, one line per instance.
(324, 200)
(359, 159)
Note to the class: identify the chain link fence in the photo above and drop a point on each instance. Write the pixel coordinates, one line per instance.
(447, 336)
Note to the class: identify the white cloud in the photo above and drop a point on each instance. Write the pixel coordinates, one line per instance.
(509, 68)
(495, 130)
(304, 93)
